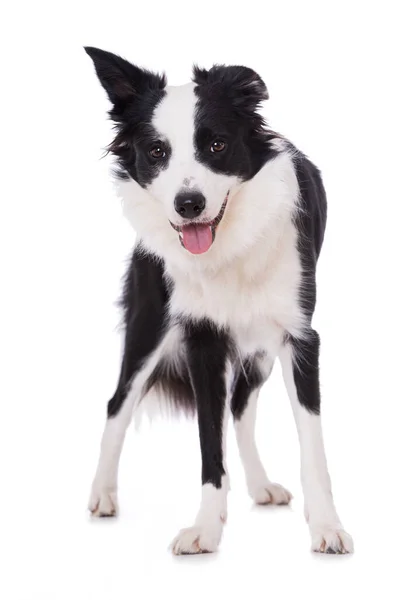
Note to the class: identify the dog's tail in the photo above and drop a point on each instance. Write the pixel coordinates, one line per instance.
(168, 393)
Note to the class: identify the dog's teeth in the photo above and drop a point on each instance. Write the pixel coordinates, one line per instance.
(181, 235)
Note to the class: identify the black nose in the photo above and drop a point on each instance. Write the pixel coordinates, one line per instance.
(189, 204)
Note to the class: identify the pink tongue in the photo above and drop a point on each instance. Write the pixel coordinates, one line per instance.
(197, 238)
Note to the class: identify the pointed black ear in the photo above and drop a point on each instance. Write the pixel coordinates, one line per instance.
(242, 85)
(121, 79)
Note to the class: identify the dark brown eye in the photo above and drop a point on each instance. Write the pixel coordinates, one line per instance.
(218, 146)
(157, 151)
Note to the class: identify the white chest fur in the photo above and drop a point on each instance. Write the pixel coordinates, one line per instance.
(256, 295)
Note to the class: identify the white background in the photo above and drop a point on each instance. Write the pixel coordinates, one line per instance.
(332, 73)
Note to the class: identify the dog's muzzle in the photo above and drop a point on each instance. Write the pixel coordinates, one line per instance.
(197, 237)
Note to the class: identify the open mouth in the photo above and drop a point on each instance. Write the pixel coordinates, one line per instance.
(198, 237)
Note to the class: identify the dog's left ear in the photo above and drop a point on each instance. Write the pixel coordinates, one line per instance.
(243, 86)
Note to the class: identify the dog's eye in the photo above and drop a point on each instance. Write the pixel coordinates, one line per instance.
(218, 146)
(157, 151)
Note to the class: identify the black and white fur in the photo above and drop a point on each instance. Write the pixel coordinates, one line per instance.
(203, 330)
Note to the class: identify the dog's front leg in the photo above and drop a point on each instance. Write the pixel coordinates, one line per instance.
(211, 377)
(139, 361)
(299, 359)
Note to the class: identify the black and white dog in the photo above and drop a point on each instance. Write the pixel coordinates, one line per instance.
(230, 220)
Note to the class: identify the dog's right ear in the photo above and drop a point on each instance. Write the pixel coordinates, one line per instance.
(122, 80)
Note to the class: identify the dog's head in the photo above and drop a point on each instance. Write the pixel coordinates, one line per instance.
(190, 147)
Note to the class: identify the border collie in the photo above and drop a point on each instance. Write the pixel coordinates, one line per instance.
(230, 219)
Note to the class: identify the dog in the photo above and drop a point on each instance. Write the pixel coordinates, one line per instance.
(230, 220)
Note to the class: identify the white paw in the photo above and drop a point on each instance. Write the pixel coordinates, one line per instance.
(197, 540)
(331, 540)
(103, 501)
(270, 493)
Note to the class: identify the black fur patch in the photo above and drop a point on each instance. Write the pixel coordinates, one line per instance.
(144, 302)
(249, 377)
(306, 371)
(228, 98)
(208, 349)
(310, 223)
(174, 383)
(134, 94)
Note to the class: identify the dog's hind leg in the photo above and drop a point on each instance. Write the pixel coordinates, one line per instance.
(253, 373)
(299, 359)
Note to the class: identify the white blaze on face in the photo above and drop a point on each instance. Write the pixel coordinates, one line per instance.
(174, 120)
